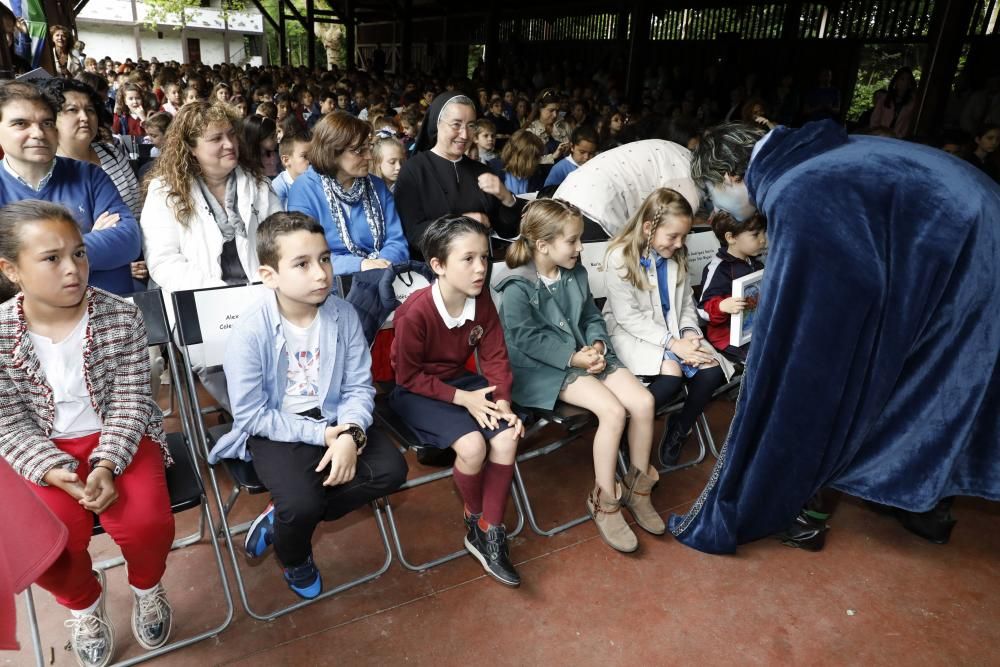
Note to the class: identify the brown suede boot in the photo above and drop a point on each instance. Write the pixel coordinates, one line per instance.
(636, 497)
(611, 525)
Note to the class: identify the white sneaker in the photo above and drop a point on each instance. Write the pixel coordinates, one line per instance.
(92, 637)
(152, 619)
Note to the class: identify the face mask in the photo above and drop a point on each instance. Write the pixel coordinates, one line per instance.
(733, 199)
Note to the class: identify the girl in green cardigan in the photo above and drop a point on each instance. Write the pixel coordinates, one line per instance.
(559, 350)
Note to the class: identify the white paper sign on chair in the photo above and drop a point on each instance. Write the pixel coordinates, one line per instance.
(218, 312)
(592, 258)
(403, 286)
(701, 248)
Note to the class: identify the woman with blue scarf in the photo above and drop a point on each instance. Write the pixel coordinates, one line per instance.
(356, 209)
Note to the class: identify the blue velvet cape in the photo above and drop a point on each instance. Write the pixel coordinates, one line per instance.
(874, 362)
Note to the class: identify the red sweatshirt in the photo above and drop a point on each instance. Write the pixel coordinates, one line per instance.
(425, 352)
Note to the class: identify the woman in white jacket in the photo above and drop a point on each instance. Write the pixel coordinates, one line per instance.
(651, 315)
(203, 205)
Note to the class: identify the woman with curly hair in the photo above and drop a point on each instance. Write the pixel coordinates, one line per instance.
(204, 201)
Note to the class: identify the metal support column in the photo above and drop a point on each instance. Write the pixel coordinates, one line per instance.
(350, 24)
(282, 37)
(406, 40)
(638, 49)
(311, 33)
(949, 24)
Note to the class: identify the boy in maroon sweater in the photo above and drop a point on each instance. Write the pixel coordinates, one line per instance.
(437, 330)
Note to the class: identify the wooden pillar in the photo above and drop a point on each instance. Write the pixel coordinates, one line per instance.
(790, 25)
(621, 30)
(406, 39)
(282, 36)
(638, 49)
(350, 34)
(311, 33)
(949, 22)
(492, 60)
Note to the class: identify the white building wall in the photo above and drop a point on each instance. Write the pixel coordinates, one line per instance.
(118, 42)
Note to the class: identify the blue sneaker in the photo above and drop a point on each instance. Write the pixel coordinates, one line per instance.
(260, 536)
(304, 580)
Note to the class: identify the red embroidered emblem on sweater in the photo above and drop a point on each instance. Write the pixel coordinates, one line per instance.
(475, 335)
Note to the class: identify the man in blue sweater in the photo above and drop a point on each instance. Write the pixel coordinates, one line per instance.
(31, 170)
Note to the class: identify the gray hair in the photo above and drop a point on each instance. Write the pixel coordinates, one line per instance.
(458, 99)
(724, 149)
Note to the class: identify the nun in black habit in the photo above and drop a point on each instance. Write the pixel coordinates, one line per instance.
(441, 180)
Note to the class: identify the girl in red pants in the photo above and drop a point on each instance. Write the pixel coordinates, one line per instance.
(77, 420)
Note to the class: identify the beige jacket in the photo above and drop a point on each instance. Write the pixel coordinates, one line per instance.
(639, 333)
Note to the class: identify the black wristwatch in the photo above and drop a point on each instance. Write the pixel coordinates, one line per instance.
(358, 433)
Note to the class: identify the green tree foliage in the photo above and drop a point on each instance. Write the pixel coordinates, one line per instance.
(878, 63)
(296, 38)
(178, 12)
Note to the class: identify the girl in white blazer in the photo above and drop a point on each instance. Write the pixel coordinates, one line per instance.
(651, 315)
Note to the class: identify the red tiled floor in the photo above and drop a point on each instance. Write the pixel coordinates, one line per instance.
(876, 595)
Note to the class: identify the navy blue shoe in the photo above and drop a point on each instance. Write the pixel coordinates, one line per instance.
(260, 536)
(304, 580)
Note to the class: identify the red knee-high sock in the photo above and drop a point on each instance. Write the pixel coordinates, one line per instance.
(470, 487)
(496, 489)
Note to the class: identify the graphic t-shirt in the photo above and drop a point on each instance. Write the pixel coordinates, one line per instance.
(302, 347)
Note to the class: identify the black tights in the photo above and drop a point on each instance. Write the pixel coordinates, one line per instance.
(699, 387)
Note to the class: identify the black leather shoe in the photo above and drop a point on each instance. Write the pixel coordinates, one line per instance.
(804, 533)
(493, 554)
(472, 533)
(934, 526)
(671, 446)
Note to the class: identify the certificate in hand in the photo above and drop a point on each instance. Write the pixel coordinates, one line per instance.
(747, 287)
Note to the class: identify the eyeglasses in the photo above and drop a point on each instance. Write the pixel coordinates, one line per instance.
(457, 126)
(361, 151)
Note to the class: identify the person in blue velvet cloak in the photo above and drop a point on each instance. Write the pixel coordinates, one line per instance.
(875, 364)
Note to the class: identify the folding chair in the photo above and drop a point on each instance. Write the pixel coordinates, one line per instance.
(204, 318)
(407, 439)
(186, 492)
(572, 419)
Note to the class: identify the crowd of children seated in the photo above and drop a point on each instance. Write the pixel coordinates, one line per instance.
(289, 177)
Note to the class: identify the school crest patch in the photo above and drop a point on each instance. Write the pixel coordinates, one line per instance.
(475, 335)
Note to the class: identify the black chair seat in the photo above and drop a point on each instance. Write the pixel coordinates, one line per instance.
(392, 421)
(570, 417)
(182, 482)
(242, 472)
(244, 475)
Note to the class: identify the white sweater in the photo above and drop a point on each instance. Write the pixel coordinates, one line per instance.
(183, 257)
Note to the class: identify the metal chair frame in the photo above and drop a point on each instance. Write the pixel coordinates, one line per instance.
(154, 315)
(189, 333)
(402, 434)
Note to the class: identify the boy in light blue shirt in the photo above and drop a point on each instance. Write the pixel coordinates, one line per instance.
(298, 373)
(292, 150)
(583, 146)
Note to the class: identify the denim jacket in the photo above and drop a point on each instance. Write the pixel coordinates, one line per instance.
(256, 367)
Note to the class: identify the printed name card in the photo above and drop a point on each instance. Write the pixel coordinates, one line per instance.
(218, 312)
(701, 248)
(592, 258)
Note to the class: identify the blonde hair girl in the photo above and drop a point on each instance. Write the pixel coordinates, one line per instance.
(560, 350)
(521, 157)
(388, 156)
(651, 315)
